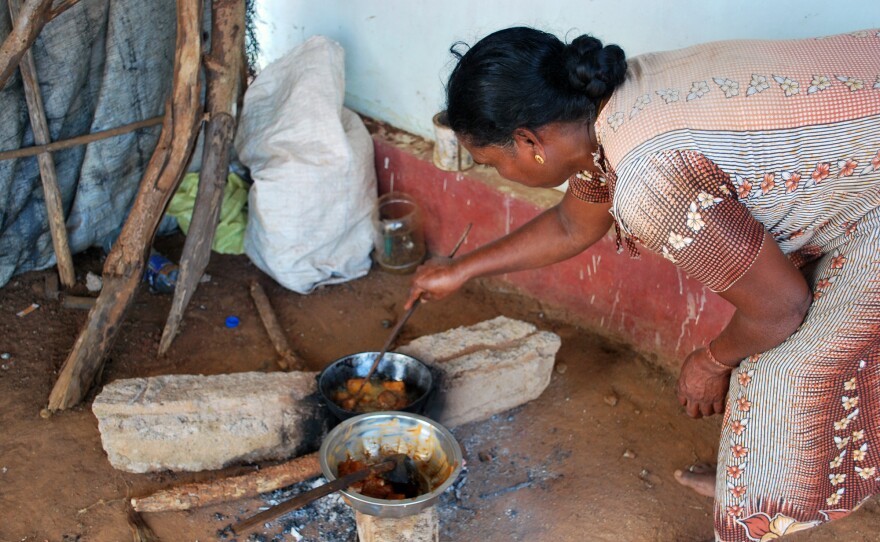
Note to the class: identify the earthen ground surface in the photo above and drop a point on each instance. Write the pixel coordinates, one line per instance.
(591, 459)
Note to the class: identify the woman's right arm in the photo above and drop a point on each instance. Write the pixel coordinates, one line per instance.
(557, 234)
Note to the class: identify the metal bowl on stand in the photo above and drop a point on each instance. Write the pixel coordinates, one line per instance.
(374, 435)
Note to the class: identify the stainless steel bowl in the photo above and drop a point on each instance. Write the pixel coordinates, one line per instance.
(381, 433)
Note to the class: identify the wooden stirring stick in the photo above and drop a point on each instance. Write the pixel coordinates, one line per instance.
(396, 331)
(321, 491)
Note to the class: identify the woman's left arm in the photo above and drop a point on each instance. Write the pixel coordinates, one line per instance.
(771, 300)
(681, 204)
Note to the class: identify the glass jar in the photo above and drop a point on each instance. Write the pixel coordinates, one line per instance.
(398, 237)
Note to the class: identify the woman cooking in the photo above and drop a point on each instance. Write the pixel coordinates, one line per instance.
(755, 167)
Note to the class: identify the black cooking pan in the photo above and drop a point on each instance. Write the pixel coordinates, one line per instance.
(394, 366)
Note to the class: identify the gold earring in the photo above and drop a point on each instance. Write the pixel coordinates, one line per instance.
(539, 159)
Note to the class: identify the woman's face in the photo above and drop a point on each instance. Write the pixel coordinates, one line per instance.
(517, 161)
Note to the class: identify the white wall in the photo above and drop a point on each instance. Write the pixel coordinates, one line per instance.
(397, 50)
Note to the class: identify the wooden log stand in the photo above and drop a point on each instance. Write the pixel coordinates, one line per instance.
(30, 19)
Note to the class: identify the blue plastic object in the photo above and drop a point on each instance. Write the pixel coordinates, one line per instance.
(161, 274)
(231, 321)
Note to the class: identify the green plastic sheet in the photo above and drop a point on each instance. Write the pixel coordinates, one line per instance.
(229, 236)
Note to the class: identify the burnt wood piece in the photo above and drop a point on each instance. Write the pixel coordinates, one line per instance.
(287, 359)
(313, 494)
(78, 302)
(198, 494)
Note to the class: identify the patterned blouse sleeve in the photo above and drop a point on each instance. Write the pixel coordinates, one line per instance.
(589, 188)
(682, 205)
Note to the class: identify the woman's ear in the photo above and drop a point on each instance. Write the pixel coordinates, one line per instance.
(528, 141)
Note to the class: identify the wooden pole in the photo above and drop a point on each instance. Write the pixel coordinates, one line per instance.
(287, 359)
(79, 140)
(51, 191)
(223, 75)
(198, 494)
(26, 26)
(125, 263)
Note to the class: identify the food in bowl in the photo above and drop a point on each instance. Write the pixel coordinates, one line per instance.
(407, 485)
(366, 436)
(377, 394)
(394, 368)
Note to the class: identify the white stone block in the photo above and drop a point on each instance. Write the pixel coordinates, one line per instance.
(194, 422)
(486, 368)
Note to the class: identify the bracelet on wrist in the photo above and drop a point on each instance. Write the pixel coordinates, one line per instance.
(715, 361)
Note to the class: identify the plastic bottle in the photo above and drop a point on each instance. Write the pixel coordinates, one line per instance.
(161, 273)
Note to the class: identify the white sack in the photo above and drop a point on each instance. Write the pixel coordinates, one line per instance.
(312, 163)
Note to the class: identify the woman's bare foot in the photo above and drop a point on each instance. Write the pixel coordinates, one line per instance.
(700, 477)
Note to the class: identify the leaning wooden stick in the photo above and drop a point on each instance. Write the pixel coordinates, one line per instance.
(287, 359)
(51, 191)
(195, 495)
(125, 264)
(222, 73)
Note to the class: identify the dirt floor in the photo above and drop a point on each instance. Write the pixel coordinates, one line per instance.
(591, 459)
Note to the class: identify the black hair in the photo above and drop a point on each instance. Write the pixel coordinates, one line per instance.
(525, 78)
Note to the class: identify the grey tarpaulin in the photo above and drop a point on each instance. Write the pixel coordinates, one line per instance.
(101, 64)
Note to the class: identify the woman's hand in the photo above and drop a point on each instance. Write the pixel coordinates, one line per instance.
(702, 385)
(436, 279)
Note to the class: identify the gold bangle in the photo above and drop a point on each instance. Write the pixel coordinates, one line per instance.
(715, 361)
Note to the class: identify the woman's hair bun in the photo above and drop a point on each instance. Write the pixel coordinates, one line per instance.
(524, 77)
(593, 69)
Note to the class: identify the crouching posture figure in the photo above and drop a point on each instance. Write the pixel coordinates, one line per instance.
(754, 166)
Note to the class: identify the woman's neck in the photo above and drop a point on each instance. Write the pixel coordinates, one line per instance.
(590, 146)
